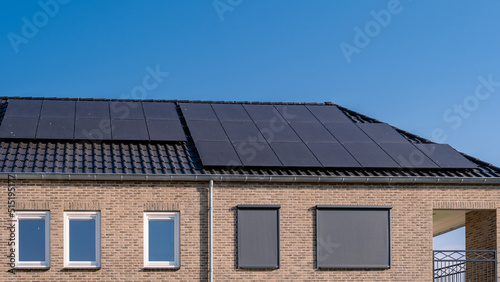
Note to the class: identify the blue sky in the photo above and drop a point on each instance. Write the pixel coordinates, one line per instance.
(418, 69)
(429, 67)
(453, 240)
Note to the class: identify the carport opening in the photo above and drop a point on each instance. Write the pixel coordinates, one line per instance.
(465, 244)
(464, 230)
(451, 240)
(449, 229)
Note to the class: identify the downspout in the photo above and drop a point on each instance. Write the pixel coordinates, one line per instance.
(210, 232)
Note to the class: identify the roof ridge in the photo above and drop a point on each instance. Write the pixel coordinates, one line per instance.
(164, 100)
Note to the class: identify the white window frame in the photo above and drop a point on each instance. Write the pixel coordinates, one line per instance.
(82, 215)
(162, 216)
(43, 215)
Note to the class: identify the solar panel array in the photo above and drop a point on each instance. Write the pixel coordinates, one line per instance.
(304, 136)
(248, 135)
(91, 120)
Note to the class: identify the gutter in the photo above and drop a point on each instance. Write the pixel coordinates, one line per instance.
(251, 178)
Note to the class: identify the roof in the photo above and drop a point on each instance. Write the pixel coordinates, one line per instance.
(169, 156)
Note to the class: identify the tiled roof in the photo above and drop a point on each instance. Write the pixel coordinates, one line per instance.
(171, 159)
(181, 158)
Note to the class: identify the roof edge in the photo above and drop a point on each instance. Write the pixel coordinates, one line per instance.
(250, 178)
(166, 100)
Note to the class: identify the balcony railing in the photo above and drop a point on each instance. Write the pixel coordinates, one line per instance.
(470, 266)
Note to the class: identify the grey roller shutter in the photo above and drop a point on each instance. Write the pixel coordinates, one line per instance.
(353, 237)
(258, 236)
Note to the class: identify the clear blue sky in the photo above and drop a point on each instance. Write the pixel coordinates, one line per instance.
(416, 67)
(419, 69)
(453, 240)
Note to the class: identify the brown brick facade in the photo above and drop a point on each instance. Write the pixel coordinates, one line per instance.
(480, 234)
(480, 228)
(122, 205)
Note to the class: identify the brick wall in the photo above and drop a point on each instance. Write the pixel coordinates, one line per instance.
(122, 205)
(480, 230)
(480, 234)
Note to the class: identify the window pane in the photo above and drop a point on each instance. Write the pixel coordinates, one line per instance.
(82, 240)
(161, 240)
(32, 240)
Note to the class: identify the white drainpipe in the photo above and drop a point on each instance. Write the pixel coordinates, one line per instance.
(210, 236)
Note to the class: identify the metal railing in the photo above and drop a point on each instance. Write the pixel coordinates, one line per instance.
(470, 266)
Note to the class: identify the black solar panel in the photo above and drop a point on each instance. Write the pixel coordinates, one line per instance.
(165, 130)
(23, 108)
(256, 153)
(58, 109)
(55, 128)
(445, 156)
(233, 134)
(332, 155)
(217, 153)
(370, 155)
(92, 109)
(264, 113)
(296, 113)
(277, 131)
(92, 129)
(347, 133)
(313, 132)
(407, 155)
(160, 110)
(194, 111)
(382, 133)
(126, 110)
(294, 154)
(329, 114)
(18, 127)
(231, 112)
(129, 129)
(242, 131)
(206, 130)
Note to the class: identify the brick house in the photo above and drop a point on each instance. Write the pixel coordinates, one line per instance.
(182, 190)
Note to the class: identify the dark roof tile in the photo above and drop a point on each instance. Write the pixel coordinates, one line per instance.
(182, 157)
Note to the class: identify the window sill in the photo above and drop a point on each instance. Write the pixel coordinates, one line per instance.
(32, 267)
(258, 268)
(353, 268)
(161, 268)
(82, 267)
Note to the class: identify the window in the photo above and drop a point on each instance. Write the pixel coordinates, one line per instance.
(82, 240)
(258, 236)
(32, 243)
(161, 240)
(353, 236)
